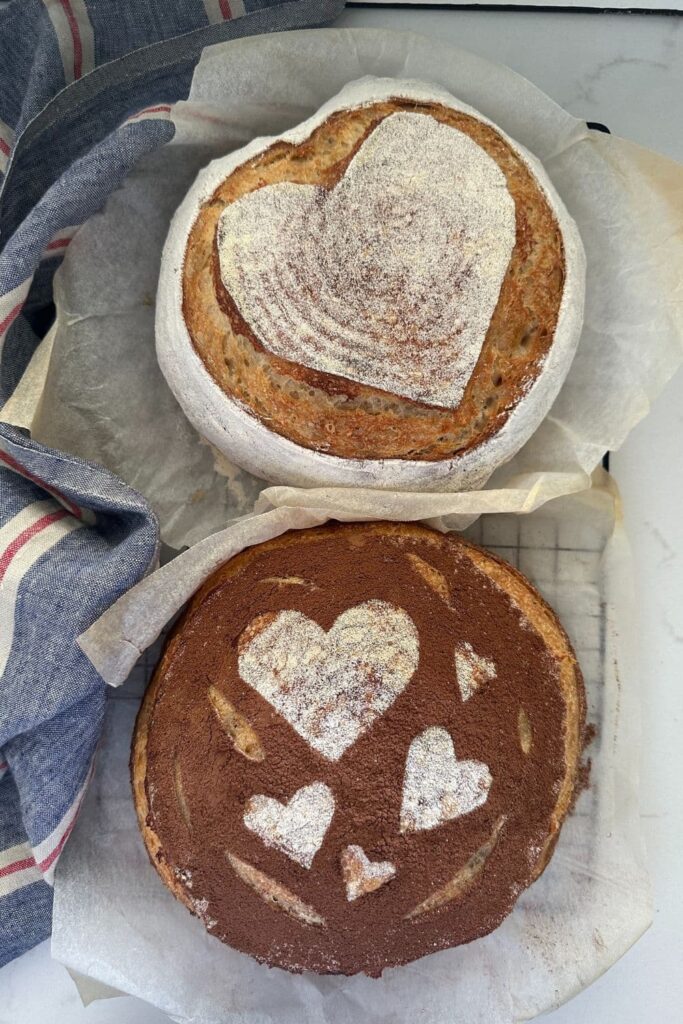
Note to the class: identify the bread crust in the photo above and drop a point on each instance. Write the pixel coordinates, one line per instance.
(328, 413)
(522, 593)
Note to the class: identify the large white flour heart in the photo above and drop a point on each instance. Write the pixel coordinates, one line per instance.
(297, 828)
(332, 686)
(391, 277)
(436, 786)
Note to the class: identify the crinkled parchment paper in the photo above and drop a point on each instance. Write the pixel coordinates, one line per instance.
(95, 389)
(115, 921)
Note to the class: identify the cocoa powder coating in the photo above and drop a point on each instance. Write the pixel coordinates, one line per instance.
(496, 850)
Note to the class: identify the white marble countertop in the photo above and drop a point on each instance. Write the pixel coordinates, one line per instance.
(626, 71)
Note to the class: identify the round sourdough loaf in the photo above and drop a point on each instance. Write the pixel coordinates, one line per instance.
(358, 747)
(388, 295)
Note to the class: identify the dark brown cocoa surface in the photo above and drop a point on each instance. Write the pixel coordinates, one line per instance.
(346, 566)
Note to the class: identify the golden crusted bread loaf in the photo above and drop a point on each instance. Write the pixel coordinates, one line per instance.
(348, 418)
(389, 295)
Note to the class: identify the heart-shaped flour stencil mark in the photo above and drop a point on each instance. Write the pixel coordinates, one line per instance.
(297, 828)
(362, 875)
(391, 277)
(472, 670)
(436, 786)
(331, 686)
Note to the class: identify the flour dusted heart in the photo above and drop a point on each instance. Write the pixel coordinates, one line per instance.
(391, 277)
(296, 828)
(437, 787)
(362, 875)
(472, 671)
(331, 686)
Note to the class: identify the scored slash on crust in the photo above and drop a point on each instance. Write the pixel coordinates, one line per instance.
(463, 879)
(524, 731)
(274, 892)
(243, 735)
(180, 792)
(432, 577)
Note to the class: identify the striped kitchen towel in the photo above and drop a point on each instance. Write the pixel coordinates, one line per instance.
(86, 88)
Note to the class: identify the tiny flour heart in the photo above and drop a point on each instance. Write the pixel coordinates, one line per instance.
(472, 671)
(362, 875)
(297, 828)
(437, 787)
(391, 277)
(331, 686)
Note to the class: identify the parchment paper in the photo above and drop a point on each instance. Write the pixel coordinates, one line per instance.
(115, 921)
(99, 393)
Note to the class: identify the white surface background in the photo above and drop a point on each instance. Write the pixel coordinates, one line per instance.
(626, 71)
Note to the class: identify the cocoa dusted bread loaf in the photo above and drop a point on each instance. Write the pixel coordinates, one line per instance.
(358, 747)
(388, 295)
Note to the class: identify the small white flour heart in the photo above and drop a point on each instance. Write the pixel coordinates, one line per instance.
(436, 786)
(362, 875)
(391, 277)
(332, 686)
(297, 828)
(472, 671)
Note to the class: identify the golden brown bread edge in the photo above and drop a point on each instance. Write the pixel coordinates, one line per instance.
(522, 592)
(329, 413)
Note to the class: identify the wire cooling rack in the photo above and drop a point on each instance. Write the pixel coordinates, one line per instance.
(562, 558)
